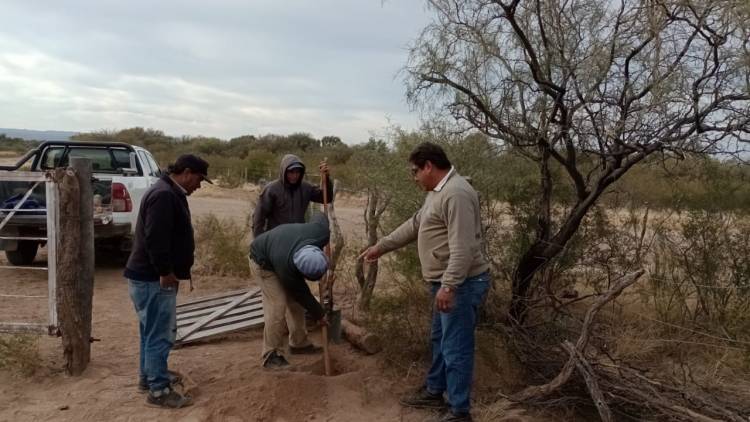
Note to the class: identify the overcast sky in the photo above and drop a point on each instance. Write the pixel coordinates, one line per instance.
(215, 68)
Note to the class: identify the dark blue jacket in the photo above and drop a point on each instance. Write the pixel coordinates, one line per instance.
(163, 235)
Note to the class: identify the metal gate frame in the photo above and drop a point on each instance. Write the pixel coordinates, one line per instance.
(219, 314)
(51, 209)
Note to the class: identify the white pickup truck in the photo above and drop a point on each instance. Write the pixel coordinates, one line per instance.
(122, 173)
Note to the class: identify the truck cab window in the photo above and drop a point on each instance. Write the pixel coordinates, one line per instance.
(103, 160)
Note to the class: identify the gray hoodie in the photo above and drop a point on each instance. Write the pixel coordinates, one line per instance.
(282, 203)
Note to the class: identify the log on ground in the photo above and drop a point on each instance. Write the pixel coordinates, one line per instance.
(360, 338)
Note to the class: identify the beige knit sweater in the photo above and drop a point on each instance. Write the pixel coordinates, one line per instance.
(448, 233)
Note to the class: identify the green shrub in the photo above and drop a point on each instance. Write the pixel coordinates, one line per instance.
(221, 247)
(401, 317)
(701, 273)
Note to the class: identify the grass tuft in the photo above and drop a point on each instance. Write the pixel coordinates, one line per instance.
(222, 246)
(20, 354)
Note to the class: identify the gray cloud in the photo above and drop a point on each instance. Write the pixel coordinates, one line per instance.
(219, 68)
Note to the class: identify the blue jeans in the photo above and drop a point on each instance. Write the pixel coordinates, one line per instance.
(452, 340)
(156, 309)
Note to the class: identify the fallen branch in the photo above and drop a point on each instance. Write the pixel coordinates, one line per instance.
(539, 391)
(360, 338)
(628, 387)
(612, 386)
(590, 378)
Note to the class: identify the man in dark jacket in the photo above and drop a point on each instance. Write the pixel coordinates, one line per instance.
(162, 256)
(283, 257)
(285, 200)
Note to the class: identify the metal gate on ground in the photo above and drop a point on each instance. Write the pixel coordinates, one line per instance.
(222, 313)
(51, 212)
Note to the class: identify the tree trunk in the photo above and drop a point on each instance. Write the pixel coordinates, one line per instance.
(368, 283)
(543, 251)
(373, 211)
(337, 239)
(75, 263)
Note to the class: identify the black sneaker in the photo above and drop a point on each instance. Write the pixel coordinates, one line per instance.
(310, 349)
(423, 399)
(174, 379)
(168, 398)
(455, 417)
(275, 361)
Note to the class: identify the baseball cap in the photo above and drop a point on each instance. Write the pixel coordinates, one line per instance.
(194, 163)
(311, 262)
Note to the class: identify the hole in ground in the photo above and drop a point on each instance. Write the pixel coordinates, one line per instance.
(338, 367)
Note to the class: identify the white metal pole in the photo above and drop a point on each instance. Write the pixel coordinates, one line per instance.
(52, 224)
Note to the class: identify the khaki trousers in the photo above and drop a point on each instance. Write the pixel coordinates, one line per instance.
(281, 314)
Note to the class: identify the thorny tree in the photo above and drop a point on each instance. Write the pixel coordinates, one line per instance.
(592, 86)
(380, 176)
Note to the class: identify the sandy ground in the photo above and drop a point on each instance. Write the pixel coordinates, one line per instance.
(224, 375)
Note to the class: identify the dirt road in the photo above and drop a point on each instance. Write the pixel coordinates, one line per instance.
(224, 375)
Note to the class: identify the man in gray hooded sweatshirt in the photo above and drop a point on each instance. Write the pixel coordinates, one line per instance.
(285, 200)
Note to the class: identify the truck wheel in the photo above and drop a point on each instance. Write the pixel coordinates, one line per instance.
(24, 254)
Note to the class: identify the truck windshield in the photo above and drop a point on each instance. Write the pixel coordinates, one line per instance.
(103, 160)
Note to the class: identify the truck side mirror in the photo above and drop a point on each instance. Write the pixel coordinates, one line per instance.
(133, 169)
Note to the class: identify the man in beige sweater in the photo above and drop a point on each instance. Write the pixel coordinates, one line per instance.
(448, 233)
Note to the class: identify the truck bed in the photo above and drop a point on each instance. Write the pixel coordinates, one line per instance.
(36, 223)
(34, 220)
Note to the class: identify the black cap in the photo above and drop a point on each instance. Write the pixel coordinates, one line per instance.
(195, 164)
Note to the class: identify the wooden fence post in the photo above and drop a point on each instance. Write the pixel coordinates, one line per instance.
(75, 263)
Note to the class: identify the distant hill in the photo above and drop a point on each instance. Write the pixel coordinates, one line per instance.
(38, 135)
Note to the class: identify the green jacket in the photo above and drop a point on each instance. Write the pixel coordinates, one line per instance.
(274, 250)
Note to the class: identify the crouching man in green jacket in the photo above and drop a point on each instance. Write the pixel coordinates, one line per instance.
(283, 258)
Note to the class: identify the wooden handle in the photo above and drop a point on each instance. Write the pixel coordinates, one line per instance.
(324, 188)
(324, 339)
(326, 355)
(323, 285)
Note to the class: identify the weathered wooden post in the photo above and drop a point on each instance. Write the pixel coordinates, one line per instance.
(75, 263)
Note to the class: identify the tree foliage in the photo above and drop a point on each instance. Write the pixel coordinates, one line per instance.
(590, 87)
(17, 145)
